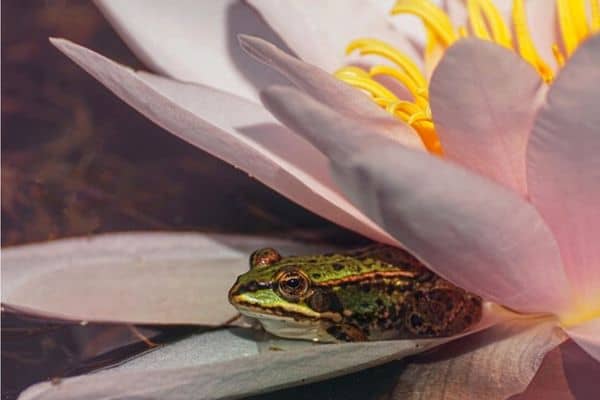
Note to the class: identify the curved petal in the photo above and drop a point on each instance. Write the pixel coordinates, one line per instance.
(563, 168)
(494, 364)
(197, 368)
(478, 235)
(237, 378)
(149, 278)
(233, 129)
(320, 32)
(484, 99)
(325, 88)
(193, 41)
(587, 335)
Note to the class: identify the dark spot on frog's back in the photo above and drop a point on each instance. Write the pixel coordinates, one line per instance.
(416, 321)
(316, 275)
(324, 300)
(338, 266)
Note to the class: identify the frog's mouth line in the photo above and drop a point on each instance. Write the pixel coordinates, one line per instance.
(273, 313)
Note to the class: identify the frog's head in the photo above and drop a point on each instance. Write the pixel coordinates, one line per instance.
(281, 294)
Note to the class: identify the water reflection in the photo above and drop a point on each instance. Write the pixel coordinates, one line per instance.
(35, 349)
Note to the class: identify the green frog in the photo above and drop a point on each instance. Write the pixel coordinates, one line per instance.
(377, 292)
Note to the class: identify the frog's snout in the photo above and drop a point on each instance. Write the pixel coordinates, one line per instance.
(235, 289)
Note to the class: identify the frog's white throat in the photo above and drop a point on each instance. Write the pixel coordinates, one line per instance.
(290, 328)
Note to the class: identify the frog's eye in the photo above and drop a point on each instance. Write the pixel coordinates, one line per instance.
(293, 285)
(264, 257)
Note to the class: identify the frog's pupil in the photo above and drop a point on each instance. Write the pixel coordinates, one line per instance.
(293, 282)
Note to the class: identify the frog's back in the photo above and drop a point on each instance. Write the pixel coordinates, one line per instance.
(376, 292)
(383, 292)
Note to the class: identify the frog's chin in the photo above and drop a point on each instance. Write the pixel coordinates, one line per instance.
(290, 328)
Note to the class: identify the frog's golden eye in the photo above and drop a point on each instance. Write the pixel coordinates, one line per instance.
(264, 257)
(293, 285)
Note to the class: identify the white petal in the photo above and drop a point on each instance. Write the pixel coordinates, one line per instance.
(328, 90)
(193, 40)
(475, 233)
(137, 277)
(319, 32)
(236, 130)
(311, 79)
(493, 364)
(186, 370)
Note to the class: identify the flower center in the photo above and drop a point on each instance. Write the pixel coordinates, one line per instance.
(485, 22)
(581, 315)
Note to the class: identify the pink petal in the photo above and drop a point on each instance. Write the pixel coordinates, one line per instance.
(151, 278)
(325, 88)
(477, 234)
(233, 129)
(193, 41)
(319, 33)
(484, 99)
(587, 335)
(563, 168)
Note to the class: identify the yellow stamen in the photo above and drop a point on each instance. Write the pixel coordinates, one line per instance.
(595, 8)
(476, 20)
(374, 88)
(377, 47)
(420, 94)
(426, 131)
(487, 23)
(388, 104)
(583, 315)
(571, 19)
(558, 55)
(434, 18)
(500, 31)
(579, 19)
(352, 72)
(525, 42)
(405, 107)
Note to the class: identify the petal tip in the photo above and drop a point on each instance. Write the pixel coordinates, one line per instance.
(59, 42)
(253, 46)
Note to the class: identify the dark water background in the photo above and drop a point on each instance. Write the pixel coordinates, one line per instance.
(72, 165)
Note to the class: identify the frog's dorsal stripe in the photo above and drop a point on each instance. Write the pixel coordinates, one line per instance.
(368, 277)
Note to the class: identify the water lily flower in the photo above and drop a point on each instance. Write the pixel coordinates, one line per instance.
(480, 157)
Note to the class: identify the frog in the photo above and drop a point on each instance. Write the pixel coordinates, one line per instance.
(376, 292)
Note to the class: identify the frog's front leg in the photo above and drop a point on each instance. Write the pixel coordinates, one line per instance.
(346, 332)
